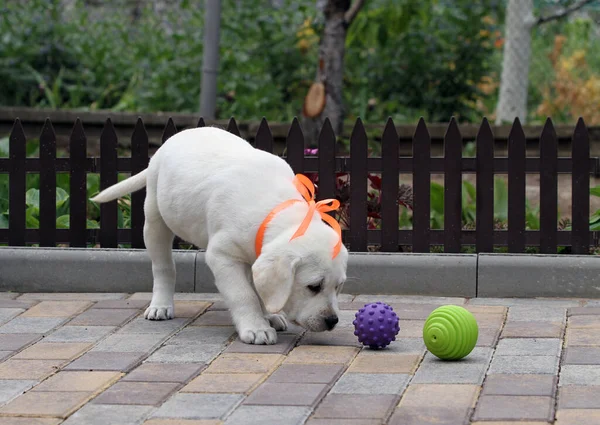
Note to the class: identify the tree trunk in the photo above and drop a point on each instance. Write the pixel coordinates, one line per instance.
(331, 66)
(515, 63)
(210, 59)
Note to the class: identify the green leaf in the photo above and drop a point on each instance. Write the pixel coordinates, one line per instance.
(61, 196)
(92, 224)
(470, 189)
(595, 190)
(31, 218)
(500, 199)
(32, 198)
(437, 198)
(63, 222)
(3, 221)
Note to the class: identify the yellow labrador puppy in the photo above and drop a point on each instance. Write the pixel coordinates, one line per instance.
(213, 189)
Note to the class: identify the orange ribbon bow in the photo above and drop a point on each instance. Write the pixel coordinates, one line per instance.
(307, 190)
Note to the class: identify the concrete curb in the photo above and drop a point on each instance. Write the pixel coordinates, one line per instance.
(458, 275)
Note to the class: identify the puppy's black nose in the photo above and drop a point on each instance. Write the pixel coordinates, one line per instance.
(331, 321)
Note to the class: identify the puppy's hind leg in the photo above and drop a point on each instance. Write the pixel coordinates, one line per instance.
(159, 240)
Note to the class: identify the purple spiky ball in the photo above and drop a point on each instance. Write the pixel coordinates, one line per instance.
(376, 325)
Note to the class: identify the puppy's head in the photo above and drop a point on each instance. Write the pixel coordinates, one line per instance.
(301, 279)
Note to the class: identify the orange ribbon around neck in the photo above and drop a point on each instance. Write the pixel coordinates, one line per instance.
(307, 190)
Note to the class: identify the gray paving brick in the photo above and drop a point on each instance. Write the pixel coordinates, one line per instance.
(285, 343)
(356, 406)
(533, 329)
(203, 334)
(79, 333)
(104, 317)
(71, 296)
(579, 375)
(529, 347)
(14, 342)
(130, 343)
(400, 346)
(536, 313)
(8, 313)
(5, 354)
(340, 337)
(201, 353)
(40, 325)
(531, 385)
(143, 326)
(198, 406)
(470, 370)
(123, 362)
(541, 302)
(214, 318)
(287, 394)
(524, 365)
(163, 372)
(583, 311)
(306, 373)
(268, 415)
(488, 337)
(9, 295)
(25, 304)
(109, 414)
(371, 383)
(579, 397)
(407, 299)
(582, 355)
(11, 388)
(512, 408)
(140, 393)
(139, 304)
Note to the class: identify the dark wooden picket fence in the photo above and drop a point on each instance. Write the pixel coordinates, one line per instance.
(327, 164)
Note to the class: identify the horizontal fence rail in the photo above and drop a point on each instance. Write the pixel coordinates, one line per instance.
(368, 187)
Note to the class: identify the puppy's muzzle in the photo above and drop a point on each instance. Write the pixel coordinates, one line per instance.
(331, 321)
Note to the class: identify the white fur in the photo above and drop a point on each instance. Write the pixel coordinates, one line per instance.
(213, 189)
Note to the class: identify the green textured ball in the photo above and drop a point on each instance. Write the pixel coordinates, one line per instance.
(450, 332)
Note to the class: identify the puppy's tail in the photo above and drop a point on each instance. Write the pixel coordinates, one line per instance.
(132, 184)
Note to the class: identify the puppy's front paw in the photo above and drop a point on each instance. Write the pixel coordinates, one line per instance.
(266, 336)
(277, 321)
(159, 313)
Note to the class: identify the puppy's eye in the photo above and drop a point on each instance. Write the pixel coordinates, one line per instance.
(315, 289)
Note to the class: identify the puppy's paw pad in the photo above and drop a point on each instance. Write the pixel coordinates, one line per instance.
(277, 321)
(259, 336)
(158, 313)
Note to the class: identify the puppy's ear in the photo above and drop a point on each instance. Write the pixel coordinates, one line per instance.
(273, 276)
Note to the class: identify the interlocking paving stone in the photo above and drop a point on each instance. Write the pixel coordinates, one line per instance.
(486, 309)
(485, 320)
(104, 317)
(343, 422)
(11, 388)
(285, 343)
(510, 423)
(14, 342)
(244, 363)
(385, 363)
(411, 328)
(167, 421)
(53, 351)
(98, 360)
(583, 311)
(407, 299)
(201, 334)
(8, 313)
(223, 383)
(29, 369)
(536, 313)
(78, 381)
(586, 337)
(532, 329)
(38, 325)
(214, 318)
(218, 305)
(540, 302)
(79, 334)
(400, 346)
(582, 355)
(488, 337)
(54, 404)
(139, 393)
(130, 343)
(524, 364)
(371, 383)
(356, 406)
(57, 308)
(13, 420)
(268, 415)
(578, 375)
(524, 385)
(143, 326)
(5, 354)
(579, 397)
(343, 337)
(577, 417)
(317, 354)
(9, 295)
(529, 347)
(442, 404)
(584, 322)
(25, 304)
(287, 394)
(492, 407)
(307, 373)
(110, 414)
(190, 308)
(198, 406)
(163, 372)
(73, 296)
(202, 353)
(470, 370)
(127, 304)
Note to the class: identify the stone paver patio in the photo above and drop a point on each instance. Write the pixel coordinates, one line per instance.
(92, 359)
